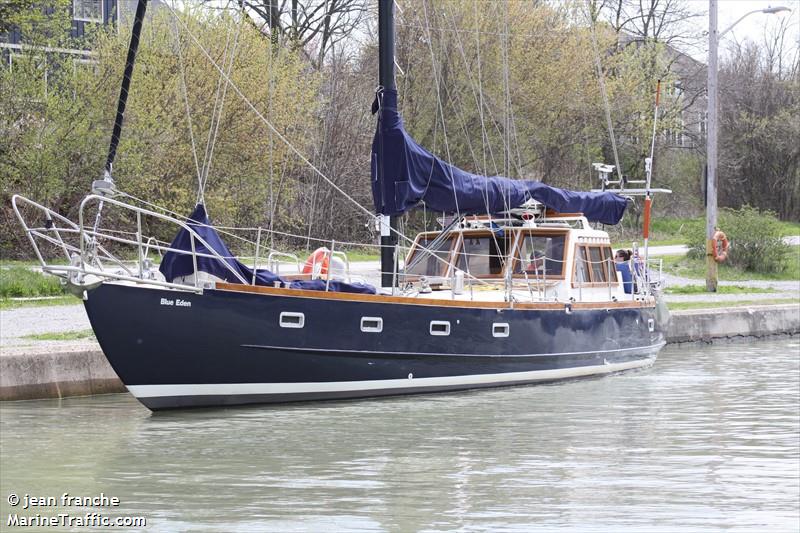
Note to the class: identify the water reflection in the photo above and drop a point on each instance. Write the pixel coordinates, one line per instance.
(707, 439)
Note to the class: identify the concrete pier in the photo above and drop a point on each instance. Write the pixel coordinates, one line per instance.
(707, 325)
(50, 371)
(28, 372)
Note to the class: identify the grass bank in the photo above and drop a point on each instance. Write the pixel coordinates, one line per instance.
(678, 306)
(683, 266)
(670, 231)
(22, 282)
(8, 303)
(62, 336)
(722, 289)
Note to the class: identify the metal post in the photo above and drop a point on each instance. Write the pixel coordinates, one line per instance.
(139, 243)
(255, 259)
(386, 80)
(711, 149)
(330, 266)
(141, 9)
(711, 141)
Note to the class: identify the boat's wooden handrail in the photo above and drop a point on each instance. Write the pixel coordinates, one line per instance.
(413, 300)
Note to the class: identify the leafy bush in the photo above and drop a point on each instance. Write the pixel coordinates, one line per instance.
(23, 282)
(755, 237)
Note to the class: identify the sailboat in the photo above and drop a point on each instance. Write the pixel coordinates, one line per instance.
(517, 287)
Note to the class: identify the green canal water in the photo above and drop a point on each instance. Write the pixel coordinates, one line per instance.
(706, 440)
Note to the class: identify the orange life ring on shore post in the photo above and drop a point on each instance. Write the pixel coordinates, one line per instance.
(720, 246)
(318, 262)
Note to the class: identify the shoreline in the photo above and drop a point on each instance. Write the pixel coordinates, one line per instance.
(81, 369)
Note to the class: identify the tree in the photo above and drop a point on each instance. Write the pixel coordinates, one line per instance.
(759, 161)
(314, 26)
(12, 10)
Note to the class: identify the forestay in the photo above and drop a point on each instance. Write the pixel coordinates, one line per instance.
(405, 174)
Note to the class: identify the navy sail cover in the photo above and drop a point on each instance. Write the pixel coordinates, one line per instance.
(405, 174)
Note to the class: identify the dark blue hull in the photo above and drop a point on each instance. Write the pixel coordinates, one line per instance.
(174, 349)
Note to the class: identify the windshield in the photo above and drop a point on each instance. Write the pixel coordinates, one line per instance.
(429, 259)
(541, 255)
(484, 255)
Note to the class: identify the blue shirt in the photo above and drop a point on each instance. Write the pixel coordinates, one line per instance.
(627, 278)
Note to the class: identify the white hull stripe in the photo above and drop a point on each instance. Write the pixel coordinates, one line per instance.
(234, 389)
(655, 347)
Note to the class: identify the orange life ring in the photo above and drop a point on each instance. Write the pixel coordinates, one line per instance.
(318, 262)
(720, 246)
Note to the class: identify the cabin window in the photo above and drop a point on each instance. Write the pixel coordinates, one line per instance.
(371, 324)
(430, 258)
(581, 265)
(597, 265)
(593, 265)
(608, 262)
(440, 328)
(500, 330)
(541, 255)
(87, 10)
(292, 320)
(484, 255)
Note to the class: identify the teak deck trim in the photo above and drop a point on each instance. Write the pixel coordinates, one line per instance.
(379, 298)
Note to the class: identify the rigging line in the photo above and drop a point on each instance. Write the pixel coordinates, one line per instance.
(286, 141)
(228, 230)
(446, 143)
(185, 92)
(507, 94)
(231, 60)
(478, 101)
(483, 107)
(602, 82)
(201, 185)
(468, 71)
(436, 80)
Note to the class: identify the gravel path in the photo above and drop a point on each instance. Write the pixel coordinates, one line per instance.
(15, 324)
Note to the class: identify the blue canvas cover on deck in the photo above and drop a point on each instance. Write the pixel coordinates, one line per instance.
(405, 174)
(176, 265)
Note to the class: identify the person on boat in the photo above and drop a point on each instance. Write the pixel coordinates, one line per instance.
(536, 263)
(622, 263)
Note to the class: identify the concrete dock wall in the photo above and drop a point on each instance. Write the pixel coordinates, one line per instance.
(707, 325)
(50, 372)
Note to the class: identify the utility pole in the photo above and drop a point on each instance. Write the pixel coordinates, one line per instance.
(388, 225)
(711, 137)
(711, 150)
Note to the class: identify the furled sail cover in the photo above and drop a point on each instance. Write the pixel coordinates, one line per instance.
(176, 265)
(404, 174)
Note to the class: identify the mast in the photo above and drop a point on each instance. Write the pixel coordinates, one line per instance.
(136, 31)
(386, 80)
